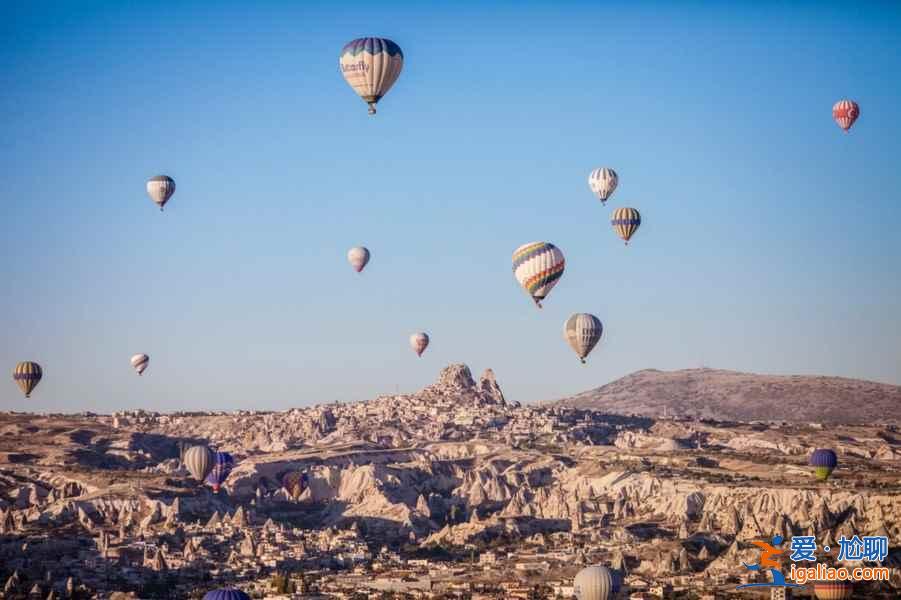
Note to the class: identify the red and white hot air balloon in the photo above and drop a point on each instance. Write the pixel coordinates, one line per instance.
(845, 112)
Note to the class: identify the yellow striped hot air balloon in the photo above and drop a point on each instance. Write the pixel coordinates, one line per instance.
(371, 66)
(625, 222)
(27, 376)
(538, 266)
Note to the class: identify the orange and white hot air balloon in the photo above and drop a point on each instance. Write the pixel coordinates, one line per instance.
(845, 112)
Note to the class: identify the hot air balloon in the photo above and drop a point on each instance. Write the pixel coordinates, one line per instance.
(823, 461)
(595, 583)
(419, 342)
(223, 463)
(845, 112)
(538, 267)
(160, 189)
(27, 375)
(625, 222)
(358, 258)
(371, 66)
(295, 482)
(199, 461)
(582, 332)
(140, 362)
(833, 590)
(603, 182)
(226, 594)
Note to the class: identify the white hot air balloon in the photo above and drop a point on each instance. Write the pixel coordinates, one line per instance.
(358, 257)
(140, 362)
(419, 342)
(582, 332)
(370, 66)
(603, 182)
(199, 461)
(160, 189)
(594, 583)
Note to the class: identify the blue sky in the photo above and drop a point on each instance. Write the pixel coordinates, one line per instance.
(769, 243)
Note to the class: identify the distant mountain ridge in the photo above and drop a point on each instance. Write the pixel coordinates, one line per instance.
(732, 395)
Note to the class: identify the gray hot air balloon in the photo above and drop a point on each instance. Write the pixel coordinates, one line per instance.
(419, 342)
(582, 332)
(594, 583)
(199, 460)
(160, 189)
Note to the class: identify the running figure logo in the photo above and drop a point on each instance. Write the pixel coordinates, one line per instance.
(766, 553)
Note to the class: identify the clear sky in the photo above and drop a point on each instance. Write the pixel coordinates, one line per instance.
(770, 239)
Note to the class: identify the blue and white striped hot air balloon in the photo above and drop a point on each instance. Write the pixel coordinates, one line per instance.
(371, 66)
(603, 182)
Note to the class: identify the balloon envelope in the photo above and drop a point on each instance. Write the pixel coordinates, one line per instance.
(625, 222)
(358, 257)
(226, 594)
(296, 483)
(582, 332)
(199, 461)
(594, 583)
(845, 112)
(538, 266)
(223, 463)
(140, 362)
(27, 376)
(160, 189)
(603, 182)
(371, 66)
(419, 342)
(823, 461)
(833, 590)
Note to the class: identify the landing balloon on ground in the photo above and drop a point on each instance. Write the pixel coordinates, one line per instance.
(538, 266)
(582, 332)
(27, 376)
(371, 66)
(160, 189)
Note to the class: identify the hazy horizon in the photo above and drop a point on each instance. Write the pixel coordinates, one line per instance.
(769, 241)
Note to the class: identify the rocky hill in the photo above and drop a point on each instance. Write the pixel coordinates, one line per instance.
(734, 396)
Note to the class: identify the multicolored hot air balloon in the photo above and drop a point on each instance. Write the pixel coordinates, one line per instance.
(603, 182)
(358, 258)
(625, 222)
(226, 594)
(296, 483)
(199, 461)
(582, 332)
(833, 590)
(223, 463)
(595, 583)
(140, 362)
(823, 461)
(160, 189)
(27, 376)
(538, 267)
(419, 342)
(845, 112)
(371, 66)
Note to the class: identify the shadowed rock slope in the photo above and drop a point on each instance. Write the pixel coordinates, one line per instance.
(731, 395)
